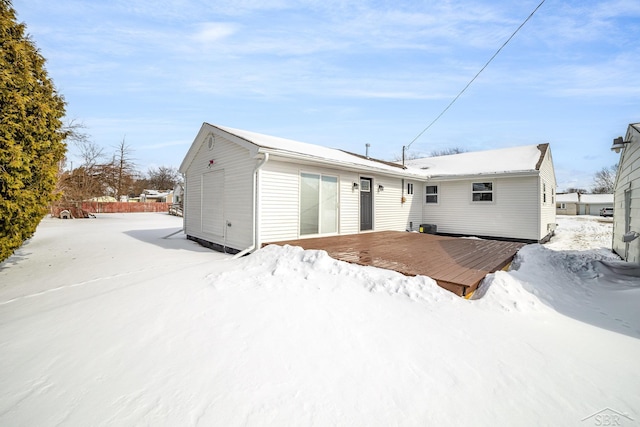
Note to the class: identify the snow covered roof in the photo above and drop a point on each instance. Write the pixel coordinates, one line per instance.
(585, 198)
(505, 160)
(567, 198)
(502, 161)
(597, 198)
(291, 148)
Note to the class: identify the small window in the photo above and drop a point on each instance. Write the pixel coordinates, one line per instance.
(544, 192)
(365, 185)
(432, 194)
(553, 194)
(482, 191)
(409, 188)
(563, 206)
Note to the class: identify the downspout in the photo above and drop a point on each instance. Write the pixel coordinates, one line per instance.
(254, 231)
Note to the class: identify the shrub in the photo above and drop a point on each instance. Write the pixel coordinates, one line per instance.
(31, 138)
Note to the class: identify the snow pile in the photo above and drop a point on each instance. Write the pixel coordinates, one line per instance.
(317, 267)
(575, 274)
(103, 322)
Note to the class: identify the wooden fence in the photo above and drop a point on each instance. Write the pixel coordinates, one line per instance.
(86, 209)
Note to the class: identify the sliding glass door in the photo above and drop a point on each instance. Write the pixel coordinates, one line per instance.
(318, 204)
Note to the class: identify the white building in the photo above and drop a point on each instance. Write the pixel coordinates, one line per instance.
(582, 204)
(626, 213)
(244, 189)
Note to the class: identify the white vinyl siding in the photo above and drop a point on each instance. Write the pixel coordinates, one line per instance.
(233, 187)
(279, 202)
(547, 210)
(513, 214)
(388, 212)
(213, 203)
(627, 190)
(411, 209)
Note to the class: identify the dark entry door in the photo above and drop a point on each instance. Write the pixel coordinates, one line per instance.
(366, 204)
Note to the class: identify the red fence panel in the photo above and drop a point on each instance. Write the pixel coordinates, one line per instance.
(81, 210)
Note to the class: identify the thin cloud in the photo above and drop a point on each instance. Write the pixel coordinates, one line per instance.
(211, 32)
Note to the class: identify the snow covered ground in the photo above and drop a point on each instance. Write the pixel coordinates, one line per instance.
(103, 322)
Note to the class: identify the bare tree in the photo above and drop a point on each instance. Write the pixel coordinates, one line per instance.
(576, 190)
(447, 152)
(408, 155)
(85, 181)
(121, 172)
(163, 178)
(604, 180)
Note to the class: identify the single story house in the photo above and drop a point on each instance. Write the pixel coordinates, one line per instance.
(243, 189)
(626, 208)
(582, 204)
(567, 203)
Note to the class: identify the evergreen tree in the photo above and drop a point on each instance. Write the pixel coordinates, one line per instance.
(31, 138)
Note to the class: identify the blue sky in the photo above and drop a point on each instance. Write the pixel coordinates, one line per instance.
(346, 73)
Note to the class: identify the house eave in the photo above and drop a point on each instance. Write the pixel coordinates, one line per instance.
(308, 159)
(466, 177)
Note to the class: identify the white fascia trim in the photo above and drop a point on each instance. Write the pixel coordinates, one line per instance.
(342, 165)
(492, 175)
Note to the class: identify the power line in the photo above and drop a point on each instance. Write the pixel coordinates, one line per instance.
(473, 79)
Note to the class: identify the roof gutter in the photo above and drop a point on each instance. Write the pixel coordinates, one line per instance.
(477, 176)
(254, 231)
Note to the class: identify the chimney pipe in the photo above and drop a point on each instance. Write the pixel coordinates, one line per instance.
(367, 150)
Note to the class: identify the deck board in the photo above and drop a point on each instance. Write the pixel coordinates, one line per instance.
(457, 264)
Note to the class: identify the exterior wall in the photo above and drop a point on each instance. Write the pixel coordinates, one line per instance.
(389, 212)
(547, 202)
(627, 189)
(514, 213)
(234, 167)
(279, 201)
(412, 207)
(570, 208)
(592, 208)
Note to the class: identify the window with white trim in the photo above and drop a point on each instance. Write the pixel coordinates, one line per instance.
(544, 192)
(563, 206)
(482, 192)
(409, 188)
(431, 194)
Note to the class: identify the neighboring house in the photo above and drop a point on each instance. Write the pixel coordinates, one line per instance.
(582, 204)
(626, 212)
(243, 189)
(567, 203)
(156, 196)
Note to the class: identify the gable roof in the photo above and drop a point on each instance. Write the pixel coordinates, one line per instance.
(301, 151)
(567, 198)
(521, 159)
(515, 160)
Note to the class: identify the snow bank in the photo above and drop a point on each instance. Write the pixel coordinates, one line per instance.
(103, 322)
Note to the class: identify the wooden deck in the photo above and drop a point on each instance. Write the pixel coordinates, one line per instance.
(457, 264)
